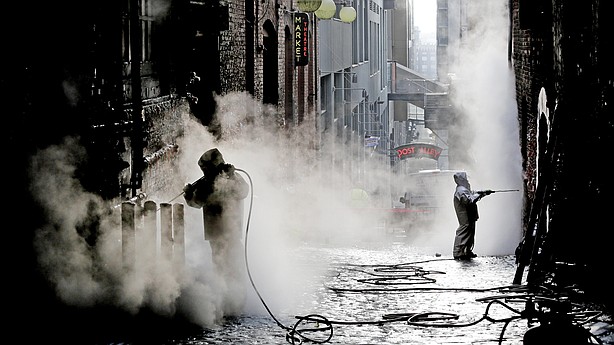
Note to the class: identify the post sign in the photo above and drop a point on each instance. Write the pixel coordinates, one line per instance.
(301, 39)
(418, 150)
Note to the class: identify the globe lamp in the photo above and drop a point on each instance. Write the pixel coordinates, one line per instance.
(347, 14)
(308, 5)
(326, 10)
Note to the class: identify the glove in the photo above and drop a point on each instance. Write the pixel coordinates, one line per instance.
(229, 169)
(488, 192)
(188, 189)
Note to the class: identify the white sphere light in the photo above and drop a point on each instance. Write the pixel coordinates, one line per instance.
(326, 10)
(309, 5)
(347, 14)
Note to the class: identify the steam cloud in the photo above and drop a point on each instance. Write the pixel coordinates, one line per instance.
(486, 96)
(296, 199)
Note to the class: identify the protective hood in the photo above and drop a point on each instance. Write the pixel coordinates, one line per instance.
(211, 159)
(461, 179)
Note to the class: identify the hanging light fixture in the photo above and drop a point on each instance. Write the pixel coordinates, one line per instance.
(326, 10)
(308, 5)
(347, 14)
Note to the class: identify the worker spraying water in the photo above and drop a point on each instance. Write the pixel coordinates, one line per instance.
(466, 208)
(220, 194)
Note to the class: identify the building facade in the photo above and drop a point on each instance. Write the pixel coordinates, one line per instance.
(560, 54)
(122, 74)
(353, 117)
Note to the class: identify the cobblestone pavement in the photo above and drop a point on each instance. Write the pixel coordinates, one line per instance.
(384, 293)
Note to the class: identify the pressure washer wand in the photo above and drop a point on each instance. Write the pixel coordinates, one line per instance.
(182, 192)
(176, 197)
(483, 193)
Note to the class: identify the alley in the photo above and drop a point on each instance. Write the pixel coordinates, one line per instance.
(382, 291)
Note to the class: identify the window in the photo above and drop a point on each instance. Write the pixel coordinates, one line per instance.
(374, 51)
(146, 21)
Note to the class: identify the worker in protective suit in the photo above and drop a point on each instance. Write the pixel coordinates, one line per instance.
(220, 193)
(465, 205)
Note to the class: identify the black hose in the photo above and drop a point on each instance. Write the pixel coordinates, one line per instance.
(429, 319)
(249, 215)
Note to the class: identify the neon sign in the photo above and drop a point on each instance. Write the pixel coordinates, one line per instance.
(301, 42)
(418, 151)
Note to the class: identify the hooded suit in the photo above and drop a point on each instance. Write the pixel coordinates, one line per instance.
(466, 208)
(220, 193)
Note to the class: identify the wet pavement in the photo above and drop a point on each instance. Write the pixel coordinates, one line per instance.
(369, 294)
(378, 292)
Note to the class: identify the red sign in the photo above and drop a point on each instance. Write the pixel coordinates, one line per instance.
(418, 151)
(301, 39)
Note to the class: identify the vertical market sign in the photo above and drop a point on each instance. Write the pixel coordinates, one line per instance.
(301, 46)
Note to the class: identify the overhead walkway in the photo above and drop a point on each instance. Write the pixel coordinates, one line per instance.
(430, 95)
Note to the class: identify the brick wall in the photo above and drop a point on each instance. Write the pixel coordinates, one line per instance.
(530, 44)
(562, 46)
(232, 49)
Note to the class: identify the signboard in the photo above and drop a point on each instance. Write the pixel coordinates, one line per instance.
(371, 141)
(301, 39)
(418, 150)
